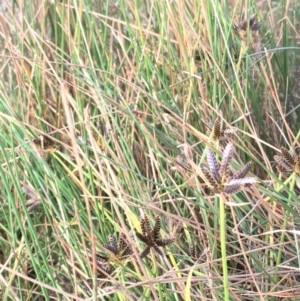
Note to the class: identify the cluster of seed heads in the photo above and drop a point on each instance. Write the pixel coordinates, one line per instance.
(241, 28)
(220, 134)
(118, 249)
(121, 249)
(288, 163)
(245, 24)
(194, 252)
(183, 164)
(100, 135)
(218, 176)
(104, 268)
(34, 200)
(44, 146)
(150, 237)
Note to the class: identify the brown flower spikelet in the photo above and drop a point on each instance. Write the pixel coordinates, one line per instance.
(151, 237)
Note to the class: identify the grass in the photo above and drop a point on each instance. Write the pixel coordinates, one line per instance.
(105, 118)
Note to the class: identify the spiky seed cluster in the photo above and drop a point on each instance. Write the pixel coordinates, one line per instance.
(44, 146)
(217, 129)
(120, 249)
(32, 204)
(220, 134)
(288, 163)
(44, 142)
(194, 253)
(104, 268)
(89, 284)
(100, 135)
(151, 237)
(103, 129)
(34, 200)
(243, 25)
(183, 164)
(218, 177)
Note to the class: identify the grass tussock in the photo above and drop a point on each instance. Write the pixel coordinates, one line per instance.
(149, 150)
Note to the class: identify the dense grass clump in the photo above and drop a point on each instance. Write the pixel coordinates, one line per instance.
(149, 150)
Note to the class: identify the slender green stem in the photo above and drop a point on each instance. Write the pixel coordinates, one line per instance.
(223, 247)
